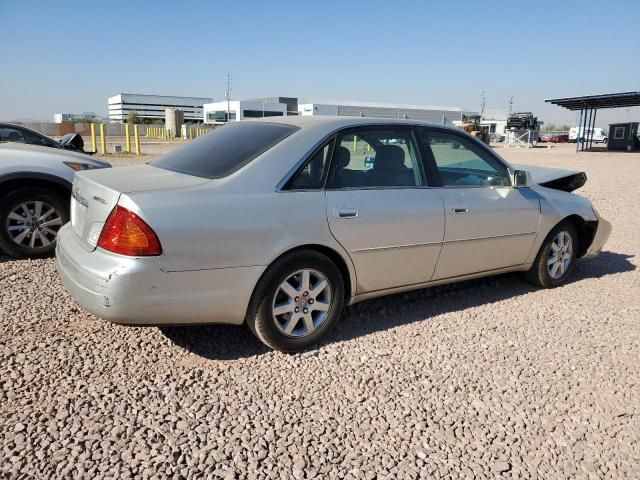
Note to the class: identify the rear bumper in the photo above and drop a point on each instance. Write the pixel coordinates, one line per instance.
(136, 291)
(600, 238)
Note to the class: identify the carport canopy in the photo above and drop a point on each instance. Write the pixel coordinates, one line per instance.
(589, 105)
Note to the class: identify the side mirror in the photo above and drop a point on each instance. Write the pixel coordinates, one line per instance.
(522, 179)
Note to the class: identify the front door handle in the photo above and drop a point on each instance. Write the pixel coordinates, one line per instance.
(345, 212)
(459, 210)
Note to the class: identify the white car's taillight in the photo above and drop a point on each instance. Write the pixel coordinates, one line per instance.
(127, 234)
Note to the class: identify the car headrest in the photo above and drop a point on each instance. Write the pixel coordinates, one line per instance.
(389, 157)
(343, 157)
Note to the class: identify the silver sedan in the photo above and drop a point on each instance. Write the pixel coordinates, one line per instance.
(281, 223)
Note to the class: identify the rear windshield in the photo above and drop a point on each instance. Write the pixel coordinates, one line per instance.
(225, 150)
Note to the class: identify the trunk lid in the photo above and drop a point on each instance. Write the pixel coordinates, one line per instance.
(96, 192)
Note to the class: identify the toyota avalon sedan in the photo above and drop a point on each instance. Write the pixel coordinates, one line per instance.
(280, 223)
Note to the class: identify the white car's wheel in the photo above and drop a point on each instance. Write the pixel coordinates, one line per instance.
(556, 257)
(297, 301)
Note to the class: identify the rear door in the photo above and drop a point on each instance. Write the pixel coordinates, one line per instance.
(489, 224)
(380, 210)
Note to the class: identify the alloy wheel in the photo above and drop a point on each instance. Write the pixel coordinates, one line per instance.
(301, 303)
(560, 255)
(33, 224)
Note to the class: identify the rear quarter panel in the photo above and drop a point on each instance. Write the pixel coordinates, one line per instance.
(201, 228)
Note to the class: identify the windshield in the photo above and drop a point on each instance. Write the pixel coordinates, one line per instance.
(225, 150)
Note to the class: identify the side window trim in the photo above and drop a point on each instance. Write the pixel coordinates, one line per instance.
(483, 152)
(429, 166)
(382, 126)
(331, 141)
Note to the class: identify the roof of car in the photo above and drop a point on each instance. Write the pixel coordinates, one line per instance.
(303, 121)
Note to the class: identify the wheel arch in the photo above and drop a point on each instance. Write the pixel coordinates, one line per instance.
(12, 182)
(336, 257)
(586, 232)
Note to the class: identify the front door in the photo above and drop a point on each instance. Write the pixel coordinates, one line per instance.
(380, 211)
(489, 224)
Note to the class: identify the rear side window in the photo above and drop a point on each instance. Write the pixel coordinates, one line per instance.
(225, 150)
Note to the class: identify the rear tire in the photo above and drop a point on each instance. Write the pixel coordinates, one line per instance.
(19, 237)
(556, 257)
(297, 301)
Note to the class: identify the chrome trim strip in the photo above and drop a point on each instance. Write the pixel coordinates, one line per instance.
(490, 238)
(395, 247)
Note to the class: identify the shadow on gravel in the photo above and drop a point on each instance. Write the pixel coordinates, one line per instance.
(225, 342)
(216, 342)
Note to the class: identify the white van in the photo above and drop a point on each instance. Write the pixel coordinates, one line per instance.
(600, 135)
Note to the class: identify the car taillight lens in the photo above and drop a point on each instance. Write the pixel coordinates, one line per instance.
(127, 234)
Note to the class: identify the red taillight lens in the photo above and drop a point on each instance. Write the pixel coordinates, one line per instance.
(127, 234)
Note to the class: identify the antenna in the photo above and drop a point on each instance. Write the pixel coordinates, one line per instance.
(483, 103)
(227, 93)
(510, 105)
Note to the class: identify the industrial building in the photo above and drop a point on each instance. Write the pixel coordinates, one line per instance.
(74, 117)
(437, 114)
(152, 107)
(232, 110)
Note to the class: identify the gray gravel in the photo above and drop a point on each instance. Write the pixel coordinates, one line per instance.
(490, 378)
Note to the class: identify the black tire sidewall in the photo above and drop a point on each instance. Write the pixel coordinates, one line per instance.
(260, 318)
(8, 203)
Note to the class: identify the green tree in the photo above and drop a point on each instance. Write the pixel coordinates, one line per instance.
(133, 118)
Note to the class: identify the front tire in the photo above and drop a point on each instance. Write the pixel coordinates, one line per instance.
(297, 301)
(556, 257)
(29, 222)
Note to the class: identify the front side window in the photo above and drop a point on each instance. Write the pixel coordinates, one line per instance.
(225, 149)
(376, 158)
(461, 163)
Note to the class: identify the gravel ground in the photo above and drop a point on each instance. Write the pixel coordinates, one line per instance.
(489, 378)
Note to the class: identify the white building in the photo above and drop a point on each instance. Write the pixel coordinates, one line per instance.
(72, 117)
(241, 109)
(153, 106)
(437, 114)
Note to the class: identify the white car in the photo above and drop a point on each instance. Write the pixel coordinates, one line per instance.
(280, 223)
(35, 188)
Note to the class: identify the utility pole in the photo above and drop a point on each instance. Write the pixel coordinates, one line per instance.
(227, 94)
(510, 105)
(483, 104)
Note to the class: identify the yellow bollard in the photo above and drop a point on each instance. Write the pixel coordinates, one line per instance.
(136, 138)
(93, 138)
(103, 140)
(127, 138)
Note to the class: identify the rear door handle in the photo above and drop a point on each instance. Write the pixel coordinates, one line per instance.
(345, 212)
(460, 210)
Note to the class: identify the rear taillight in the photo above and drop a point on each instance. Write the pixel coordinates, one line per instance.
(127, 234)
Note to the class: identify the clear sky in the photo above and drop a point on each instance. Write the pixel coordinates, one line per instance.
(69, 56)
